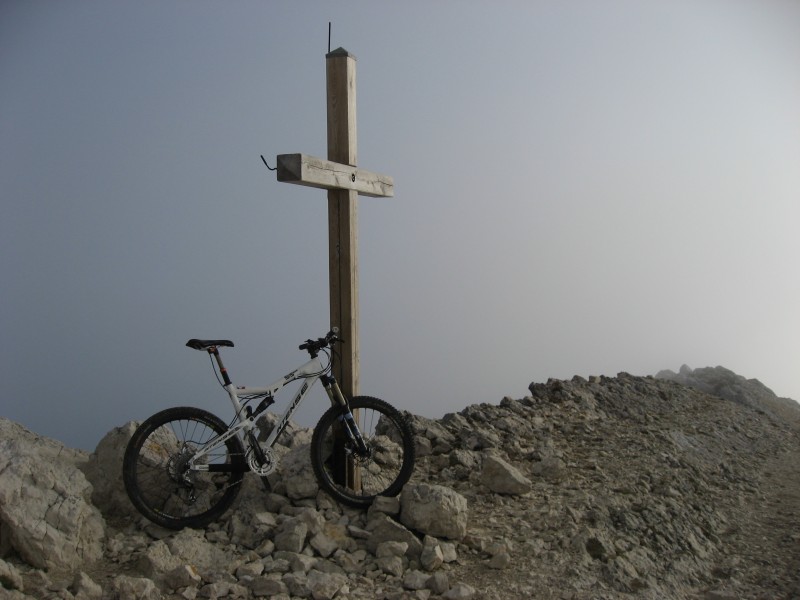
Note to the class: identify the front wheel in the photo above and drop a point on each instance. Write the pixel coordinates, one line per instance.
(355, 475)
(157, 474)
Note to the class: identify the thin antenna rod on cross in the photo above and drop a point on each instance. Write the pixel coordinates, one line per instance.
(329, 37)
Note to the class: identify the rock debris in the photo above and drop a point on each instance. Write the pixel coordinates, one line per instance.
(680, 486)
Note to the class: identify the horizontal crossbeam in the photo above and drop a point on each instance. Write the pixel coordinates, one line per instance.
(319, 173)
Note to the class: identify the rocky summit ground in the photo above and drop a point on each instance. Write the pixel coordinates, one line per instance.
(644, 488)
(681, 486)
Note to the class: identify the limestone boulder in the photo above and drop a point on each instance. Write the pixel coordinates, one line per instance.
(434, 510)
(104, 472)
(502, 477)
(46, 514)
(297, 474)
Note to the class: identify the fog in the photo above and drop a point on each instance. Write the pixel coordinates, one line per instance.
(580, 188)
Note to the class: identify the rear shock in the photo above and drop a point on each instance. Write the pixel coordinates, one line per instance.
(252, 440)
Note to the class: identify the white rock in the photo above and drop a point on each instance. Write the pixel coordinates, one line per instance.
(324, 586)
(392, 565)
(386, 529)
(45, 502)
(104, 472)
(434, 510)
(438, 583)
(10, 577)
(415, 580)
(503, 478)
(291, 536)
(268, 587)
(191, 547)
(183, 576)
(432, 557)
(156, 560)
(460, 591)
(297, 474)
(251, 569)
(139, 588)
(391, 548)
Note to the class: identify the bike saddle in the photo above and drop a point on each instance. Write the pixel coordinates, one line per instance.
(206, 344)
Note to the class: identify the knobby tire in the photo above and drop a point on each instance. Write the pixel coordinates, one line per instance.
(156, 474)
(391, 452)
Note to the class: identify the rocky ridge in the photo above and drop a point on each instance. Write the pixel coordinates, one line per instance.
(679, 486)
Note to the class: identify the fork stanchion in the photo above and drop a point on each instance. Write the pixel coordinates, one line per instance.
(346, 470)
(353, 475)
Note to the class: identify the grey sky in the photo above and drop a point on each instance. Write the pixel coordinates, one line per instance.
(580, 188)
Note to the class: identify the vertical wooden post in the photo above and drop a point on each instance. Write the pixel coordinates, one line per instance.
(339, 175)
(343, 217)
(343, 228)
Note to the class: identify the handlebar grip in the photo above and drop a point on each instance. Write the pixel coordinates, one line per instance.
(323, 342)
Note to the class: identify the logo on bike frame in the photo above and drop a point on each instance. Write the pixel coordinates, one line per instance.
(282, 425)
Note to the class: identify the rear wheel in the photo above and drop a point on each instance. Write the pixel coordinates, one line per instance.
(157, 473)
(353, 477)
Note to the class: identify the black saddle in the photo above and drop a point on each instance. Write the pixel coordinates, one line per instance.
(206, 344)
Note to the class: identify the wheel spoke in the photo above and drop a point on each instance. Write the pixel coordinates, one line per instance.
(158, 474)
(385, 467)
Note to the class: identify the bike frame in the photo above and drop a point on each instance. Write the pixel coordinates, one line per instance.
(311, 372)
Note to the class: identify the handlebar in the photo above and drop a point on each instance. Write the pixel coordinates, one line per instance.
(314, 346)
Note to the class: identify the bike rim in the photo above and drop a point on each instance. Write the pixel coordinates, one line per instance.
(165, 483)
(370, 475)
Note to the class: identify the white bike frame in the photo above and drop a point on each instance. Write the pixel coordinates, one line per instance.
(310, 372)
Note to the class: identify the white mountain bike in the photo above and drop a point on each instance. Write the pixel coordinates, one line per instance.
(183, 466)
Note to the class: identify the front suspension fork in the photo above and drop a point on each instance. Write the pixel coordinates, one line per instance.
(348, 420)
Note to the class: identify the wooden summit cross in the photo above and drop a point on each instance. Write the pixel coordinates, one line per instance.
(344, 182)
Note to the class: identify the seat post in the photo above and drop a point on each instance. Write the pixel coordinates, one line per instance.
(212, 350)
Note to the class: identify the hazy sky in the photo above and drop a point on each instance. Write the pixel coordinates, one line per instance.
(580, 188)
